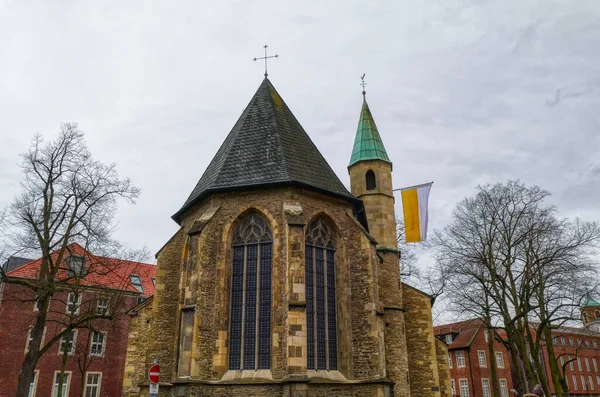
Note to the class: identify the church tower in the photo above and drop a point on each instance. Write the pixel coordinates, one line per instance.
(371, 179)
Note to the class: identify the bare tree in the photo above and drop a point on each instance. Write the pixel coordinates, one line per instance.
(66, 197)
(507, 258)
(408, 256)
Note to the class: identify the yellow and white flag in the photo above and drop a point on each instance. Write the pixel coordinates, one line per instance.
(414, 203)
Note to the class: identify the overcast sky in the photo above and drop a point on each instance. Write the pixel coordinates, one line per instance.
(463, 92)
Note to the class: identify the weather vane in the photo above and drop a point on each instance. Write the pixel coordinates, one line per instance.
(265, 58)
(363, 84)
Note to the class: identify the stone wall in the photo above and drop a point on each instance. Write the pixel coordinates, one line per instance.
(138, 347)
(420, 343)
(441, 350)
(194, 273)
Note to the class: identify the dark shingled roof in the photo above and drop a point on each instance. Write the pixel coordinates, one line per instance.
(266, 147)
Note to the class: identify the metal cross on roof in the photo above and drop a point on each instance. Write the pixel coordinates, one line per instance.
(265, 58)
(363, 84)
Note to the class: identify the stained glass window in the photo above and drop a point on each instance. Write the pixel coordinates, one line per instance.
(250, 318)
(320, 297)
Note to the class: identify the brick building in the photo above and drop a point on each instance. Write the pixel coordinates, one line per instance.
(281, 282)
(95, 358)
(577, 350)
(469, 360)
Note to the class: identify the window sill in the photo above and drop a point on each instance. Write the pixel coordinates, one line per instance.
(260, 374)
(323, 374)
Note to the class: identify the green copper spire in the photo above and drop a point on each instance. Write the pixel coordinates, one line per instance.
(367, 144)
(590, 302)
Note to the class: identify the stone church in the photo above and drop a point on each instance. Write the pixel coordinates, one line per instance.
(281, 282)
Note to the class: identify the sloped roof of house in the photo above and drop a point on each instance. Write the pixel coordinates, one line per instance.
(465, 330)
(102, 272)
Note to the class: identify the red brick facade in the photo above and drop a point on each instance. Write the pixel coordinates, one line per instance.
(470, 373)
(468, 338)
(18, 313)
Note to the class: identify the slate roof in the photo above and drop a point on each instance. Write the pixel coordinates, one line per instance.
(367, 143)
(14, 262)
(267, 147)
(107, 272)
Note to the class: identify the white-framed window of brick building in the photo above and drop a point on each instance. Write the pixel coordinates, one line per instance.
(68, 342)
(574, 377)
(453, 385)
(66, 384)
(499, 360)
(464, 387)
(93, 381)
(562, 361)
(36, 305)
(98, 344)
(450, 365)
(598, 381)
(571, 342)
(102, 306)
(503, 388)
(448, 339)
(571, 365)
(583, 383)
(481, 358)
(563, 340)
(579, 366)
(595, 363)
(486, 335)
(73, 303)
(595, 344)
(587, 364)
(33, 384)
(485, 387)
(460, 359)
(591, 382)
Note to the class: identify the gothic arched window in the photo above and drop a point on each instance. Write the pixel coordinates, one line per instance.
(370, 178)
(250, 318)
(321, 321)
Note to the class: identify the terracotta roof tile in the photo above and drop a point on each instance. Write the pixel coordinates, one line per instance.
(106, 272)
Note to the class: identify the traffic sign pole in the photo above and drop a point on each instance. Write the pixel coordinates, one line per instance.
(154, 377)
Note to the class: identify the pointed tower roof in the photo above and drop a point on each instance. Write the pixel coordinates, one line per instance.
(590, 302)
(266, 147)
(367, 144)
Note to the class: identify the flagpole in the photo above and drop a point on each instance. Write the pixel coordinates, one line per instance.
(413, 187)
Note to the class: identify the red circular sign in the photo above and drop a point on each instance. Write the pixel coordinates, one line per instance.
(154, 373)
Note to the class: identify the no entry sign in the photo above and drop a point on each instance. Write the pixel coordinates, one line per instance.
(154, 373)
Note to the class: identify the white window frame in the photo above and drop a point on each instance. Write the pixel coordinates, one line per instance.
(105, 335)
(571, 342)
(460, 359)
(460, 385)
(595, 363)
(36, 377)
(87, 384)
(35, 305)
(28, 339)
(70, 299)
(453, 385)
(579, 366)
(595, 344)
(485, 387)
(571, 364)
(562, 361)
(591, 382)
(486, 335)
(66, 388)
(563, 341)
(481, 358)
(104, 308)
(598, 380)
(73, 344)
(448, 339)
(503, 388)
(587, 364)
(499, 360)
(575, 386)
(583, 383)
(139, 287)
(450, 364)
